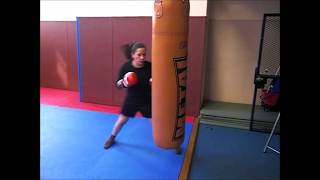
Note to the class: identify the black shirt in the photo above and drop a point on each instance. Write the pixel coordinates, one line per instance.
(140, 92)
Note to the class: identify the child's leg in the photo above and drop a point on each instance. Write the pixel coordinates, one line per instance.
(116, 129)
(118, 125)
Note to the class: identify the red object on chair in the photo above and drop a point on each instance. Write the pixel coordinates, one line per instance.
(268, 98)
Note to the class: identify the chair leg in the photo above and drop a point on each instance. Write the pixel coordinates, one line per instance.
(272, 131)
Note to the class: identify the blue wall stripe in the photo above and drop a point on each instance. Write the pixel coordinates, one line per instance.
(78, 58)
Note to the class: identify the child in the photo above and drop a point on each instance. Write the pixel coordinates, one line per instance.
(138, 96)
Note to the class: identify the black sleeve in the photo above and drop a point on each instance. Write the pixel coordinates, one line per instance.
(121, 74)
(150, 66)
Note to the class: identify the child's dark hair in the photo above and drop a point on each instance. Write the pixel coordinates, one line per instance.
(130, 48)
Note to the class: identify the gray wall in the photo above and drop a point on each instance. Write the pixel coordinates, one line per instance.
(233, 37)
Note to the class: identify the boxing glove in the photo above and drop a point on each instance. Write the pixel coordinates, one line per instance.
(129, 79)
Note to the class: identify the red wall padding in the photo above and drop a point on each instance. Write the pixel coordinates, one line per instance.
(101, 56)
(96, 60)
(58, 60)
(195, 65)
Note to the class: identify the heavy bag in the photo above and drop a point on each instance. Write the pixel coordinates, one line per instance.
(170, 24)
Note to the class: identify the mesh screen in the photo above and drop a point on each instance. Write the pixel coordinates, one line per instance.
(270, 57)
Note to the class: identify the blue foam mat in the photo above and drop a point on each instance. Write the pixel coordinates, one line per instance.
(71, 147)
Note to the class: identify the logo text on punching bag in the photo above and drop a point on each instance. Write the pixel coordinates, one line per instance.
(180, 64)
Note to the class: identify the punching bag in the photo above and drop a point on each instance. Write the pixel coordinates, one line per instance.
(169, 71)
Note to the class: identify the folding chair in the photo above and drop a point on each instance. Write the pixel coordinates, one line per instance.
(272, 131)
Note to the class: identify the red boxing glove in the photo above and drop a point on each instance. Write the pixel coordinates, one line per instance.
(130, 79)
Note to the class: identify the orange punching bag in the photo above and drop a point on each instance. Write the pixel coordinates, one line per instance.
(169, 71)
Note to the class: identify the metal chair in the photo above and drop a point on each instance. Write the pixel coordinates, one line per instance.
(272, 131)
